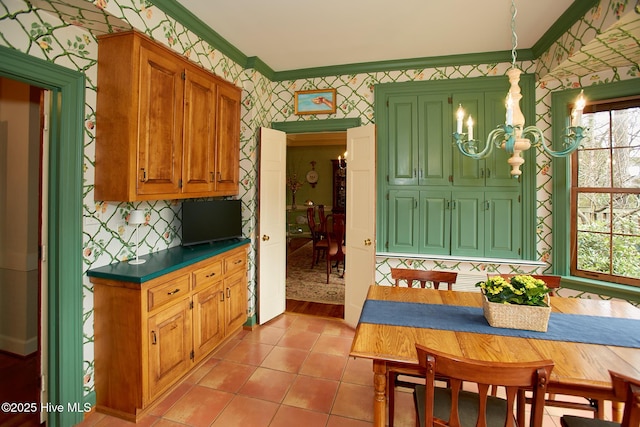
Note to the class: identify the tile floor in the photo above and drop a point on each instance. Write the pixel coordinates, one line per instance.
(293, 371)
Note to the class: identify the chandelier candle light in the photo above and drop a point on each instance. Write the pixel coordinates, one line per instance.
(513, 136)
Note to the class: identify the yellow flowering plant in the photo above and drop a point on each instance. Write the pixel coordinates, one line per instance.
(521, 290)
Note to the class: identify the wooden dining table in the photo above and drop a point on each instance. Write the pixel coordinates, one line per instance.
(580, 369)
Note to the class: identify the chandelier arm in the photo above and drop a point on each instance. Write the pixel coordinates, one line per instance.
(572, 140)
(467, 148)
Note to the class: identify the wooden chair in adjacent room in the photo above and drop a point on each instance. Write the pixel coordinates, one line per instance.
(452, 406)
(627, 390)
(320, 244)
(409, 275)
(423, 276)
(335, 238)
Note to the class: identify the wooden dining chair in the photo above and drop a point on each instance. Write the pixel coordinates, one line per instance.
(627, 390)
(409, 275)
(335, 239)
(423, 276)
(320, 244)
(453, 406)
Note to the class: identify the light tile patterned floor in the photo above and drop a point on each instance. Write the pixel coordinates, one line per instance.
(293, 371)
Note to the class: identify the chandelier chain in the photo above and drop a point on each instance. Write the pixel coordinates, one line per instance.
(514, 36)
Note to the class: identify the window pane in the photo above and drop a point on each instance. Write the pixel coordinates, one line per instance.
(626, 252)
(594, 168)
(594, 212)
(626, 217)
(593, 252)
(598, 126)
(626, 163)
(626, 128)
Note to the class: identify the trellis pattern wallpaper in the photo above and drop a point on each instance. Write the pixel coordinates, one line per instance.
(64, 32)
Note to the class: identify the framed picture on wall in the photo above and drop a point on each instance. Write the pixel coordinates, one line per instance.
(320, 101)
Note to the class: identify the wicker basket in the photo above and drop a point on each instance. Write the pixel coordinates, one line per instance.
(529, 317)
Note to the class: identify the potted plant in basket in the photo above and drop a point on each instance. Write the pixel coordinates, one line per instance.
(521, 302)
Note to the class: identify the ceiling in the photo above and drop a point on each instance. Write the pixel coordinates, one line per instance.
(294, 34)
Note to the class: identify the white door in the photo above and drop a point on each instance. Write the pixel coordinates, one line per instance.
(271, 236)
(44, 263)
(361, 219)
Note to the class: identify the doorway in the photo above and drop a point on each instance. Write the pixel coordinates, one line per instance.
(21, 151)
(306, 152)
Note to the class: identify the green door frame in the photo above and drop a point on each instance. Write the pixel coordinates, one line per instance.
(65, 225)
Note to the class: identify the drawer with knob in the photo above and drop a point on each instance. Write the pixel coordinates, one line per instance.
(170, 291)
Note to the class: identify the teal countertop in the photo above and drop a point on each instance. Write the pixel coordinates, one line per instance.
(160, 263)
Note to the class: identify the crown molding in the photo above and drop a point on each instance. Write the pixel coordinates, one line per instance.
(178, 12)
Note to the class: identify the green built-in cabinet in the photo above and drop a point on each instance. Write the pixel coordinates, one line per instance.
(435, 200)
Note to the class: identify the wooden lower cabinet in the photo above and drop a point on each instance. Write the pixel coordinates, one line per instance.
(150, 335)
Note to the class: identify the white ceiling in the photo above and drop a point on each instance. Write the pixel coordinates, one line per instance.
(298, 34)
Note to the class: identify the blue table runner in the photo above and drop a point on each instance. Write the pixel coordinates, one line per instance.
(562, 327)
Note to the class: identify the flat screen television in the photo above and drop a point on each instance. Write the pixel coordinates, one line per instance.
(211, 221)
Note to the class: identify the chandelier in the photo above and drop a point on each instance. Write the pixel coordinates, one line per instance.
(513, 136)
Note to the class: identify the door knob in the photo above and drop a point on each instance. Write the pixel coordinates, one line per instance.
(265, 238)
(367, 242)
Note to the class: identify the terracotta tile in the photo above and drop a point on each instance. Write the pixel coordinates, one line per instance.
(201, 370)
(354, 401)
(167, 423)
(323, 365)
(298, 338)
(268, 384)
(227, 376)
(310, 324)
(169, 400)
(109, 421)
(265, 335)
(405, 412)
(336, 421)
(358, 371)
(333, 345)
(249, 353)
(199, 406)
(221, 352)
(285, 359)
(288, 416)
(339, 328)
(316, 394)
(246, 411)
(284, 321)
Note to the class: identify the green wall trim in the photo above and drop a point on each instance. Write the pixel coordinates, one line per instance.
(615, 290)
(329, 125)
(560, 104)
(251, 322)
(575, 12)
(65, 223)
(192, 22)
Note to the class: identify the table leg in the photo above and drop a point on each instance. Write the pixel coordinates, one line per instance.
(616, 411)
(379, 393)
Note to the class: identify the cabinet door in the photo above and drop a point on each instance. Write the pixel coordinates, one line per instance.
(468, 171)
(228, 140)
(169, 345)
(235, 288)
(208, 319)
(497, 170)
(403, 140)
(435, 140)
(467, 224)
(503, 213)
(403, 221)
(435, 222)
(198, 172)
(160, 123)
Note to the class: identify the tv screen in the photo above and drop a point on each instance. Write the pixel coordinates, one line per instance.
(211, 221)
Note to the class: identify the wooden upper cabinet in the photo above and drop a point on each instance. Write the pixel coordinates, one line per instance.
(165, 127)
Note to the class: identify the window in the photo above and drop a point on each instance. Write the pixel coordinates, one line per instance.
(605, 194)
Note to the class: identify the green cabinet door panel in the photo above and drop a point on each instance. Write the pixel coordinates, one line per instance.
(403, 214)
(503, 225)
(467, 224)
(468, 171)
(403, 140)
(435, 222)
(435, 141)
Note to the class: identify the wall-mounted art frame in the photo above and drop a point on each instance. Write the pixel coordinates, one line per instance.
(320, 101)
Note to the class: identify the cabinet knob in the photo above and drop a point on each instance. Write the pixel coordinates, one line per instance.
(173, 292)
(265, 238)
(210, 275)
(143, 178)
(154, 338)
(367, 242)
